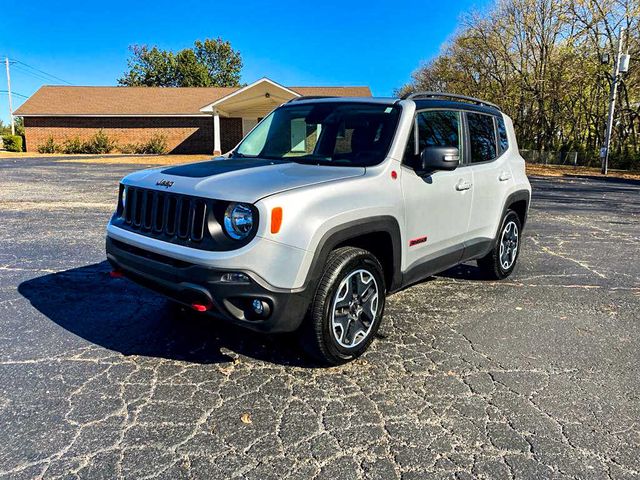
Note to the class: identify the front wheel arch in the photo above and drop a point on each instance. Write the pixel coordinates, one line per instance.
(362, 233)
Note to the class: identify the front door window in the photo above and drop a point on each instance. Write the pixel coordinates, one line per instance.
(436, 128)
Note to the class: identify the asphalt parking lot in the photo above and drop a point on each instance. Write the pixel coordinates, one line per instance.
(533, 377)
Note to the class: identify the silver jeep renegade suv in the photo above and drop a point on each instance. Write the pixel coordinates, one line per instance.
(323, 209)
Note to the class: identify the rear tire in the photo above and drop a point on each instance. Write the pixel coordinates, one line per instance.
(347, 307)
(500, 262)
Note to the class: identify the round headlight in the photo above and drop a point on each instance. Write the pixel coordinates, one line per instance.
(238, 220)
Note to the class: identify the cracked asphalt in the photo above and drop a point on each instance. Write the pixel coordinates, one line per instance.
(536, 376)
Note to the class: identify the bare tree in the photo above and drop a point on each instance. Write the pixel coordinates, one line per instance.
(541, 61)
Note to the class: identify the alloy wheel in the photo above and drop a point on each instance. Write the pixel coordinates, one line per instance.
(509, 245)
(354, 308)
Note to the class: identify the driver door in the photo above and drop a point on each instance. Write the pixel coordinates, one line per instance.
(437, 205)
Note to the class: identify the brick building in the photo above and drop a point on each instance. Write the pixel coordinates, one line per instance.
(193, 120)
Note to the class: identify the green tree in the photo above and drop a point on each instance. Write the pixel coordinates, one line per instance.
(210, 63)
(149, 67)
(5, 129)
(222, 62)
(189, 71)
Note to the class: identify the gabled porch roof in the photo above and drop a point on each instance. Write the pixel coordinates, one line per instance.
(254, 100)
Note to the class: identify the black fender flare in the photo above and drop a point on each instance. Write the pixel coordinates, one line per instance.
(357, 228)
(516, 196)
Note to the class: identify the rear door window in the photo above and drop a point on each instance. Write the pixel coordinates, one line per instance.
(482, 137)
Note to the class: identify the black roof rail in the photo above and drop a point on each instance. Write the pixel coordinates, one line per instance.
(452, 96)
(310, 97)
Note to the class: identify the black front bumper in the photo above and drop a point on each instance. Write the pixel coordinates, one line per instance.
(189, 284)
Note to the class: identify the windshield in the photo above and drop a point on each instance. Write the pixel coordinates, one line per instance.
(327, 133)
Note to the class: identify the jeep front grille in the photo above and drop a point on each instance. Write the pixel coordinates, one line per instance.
(176, 218)
(163, 213)
(168, 216)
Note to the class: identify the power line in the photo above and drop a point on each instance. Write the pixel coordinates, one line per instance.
(42, 71)
(14, 93)
(33, 74)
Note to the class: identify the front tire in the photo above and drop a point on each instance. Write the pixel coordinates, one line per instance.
(347, 308)
(500, 262)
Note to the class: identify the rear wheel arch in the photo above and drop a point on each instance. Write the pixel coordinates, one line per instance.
(500, 261)
(520, 207)
(518, 202)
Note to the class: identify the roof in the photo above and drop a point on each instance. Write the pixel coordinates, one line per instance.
(52, 100)
(371, 100)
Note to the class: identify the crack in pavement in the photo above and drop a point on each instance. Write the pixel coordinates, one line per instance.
(531, 377)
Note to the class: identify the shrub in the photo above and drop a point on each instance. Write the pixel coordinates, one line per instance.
(13, 143)
(128, 148)
(100, 143)
(49, 146)
(74, 145)
(156, 144)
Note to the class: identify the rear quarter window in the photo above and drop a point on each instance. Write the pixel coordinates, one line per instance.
(482, 137)
(503, 141)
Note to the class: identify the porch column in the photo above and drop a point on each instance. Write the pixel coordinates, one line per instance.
(217, 149)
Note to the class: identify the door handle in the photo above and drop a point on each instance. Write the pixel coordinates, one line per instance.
(504, 176)
(463, 185)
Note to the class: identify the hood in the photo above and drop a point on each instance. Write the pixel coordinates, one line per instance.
(242, 180)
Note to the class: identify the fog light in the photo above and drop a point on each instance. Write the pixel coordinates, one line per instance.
(234, 277)
(199, 307)
(258, 306)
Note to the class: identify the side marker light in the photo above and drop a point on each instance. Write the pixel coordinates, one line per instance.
(276, 219)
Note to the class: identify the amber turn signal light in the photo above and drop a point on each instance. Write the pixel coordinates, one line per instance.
(276, 219)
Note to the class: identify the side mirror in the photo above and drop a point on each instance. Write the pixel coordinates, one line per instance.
(439, 158)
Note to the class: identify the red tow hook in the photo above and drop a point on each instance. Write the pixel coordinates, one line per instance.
(116, 274)
(199, 307)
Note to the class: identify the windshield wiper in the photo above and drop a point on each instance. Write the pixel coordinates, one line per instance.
(312, 160)
(241, 155)
(260, 157)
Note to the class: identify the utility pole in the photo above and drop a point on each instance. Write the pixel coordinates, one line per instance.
(13, 125)
(615, 77)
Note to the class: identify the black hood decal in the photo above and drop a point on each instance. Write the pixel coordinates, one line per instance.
(216, 167)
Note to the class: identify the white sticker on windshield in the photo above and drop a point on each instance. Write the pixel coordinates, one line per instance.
(388, 110)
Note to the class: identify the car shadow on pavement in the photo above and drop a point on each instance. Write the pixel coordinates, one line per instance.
(117, 314)
(465, 271)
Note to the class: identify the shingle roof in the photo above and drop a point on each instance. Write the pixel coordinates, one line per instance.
(114, 101)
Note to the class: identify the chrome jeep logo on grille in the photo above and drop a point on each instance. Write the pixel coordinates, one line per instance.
(164, 183)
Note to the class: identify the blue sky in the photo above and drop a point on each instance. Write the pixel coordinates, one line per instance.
(294, 43)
